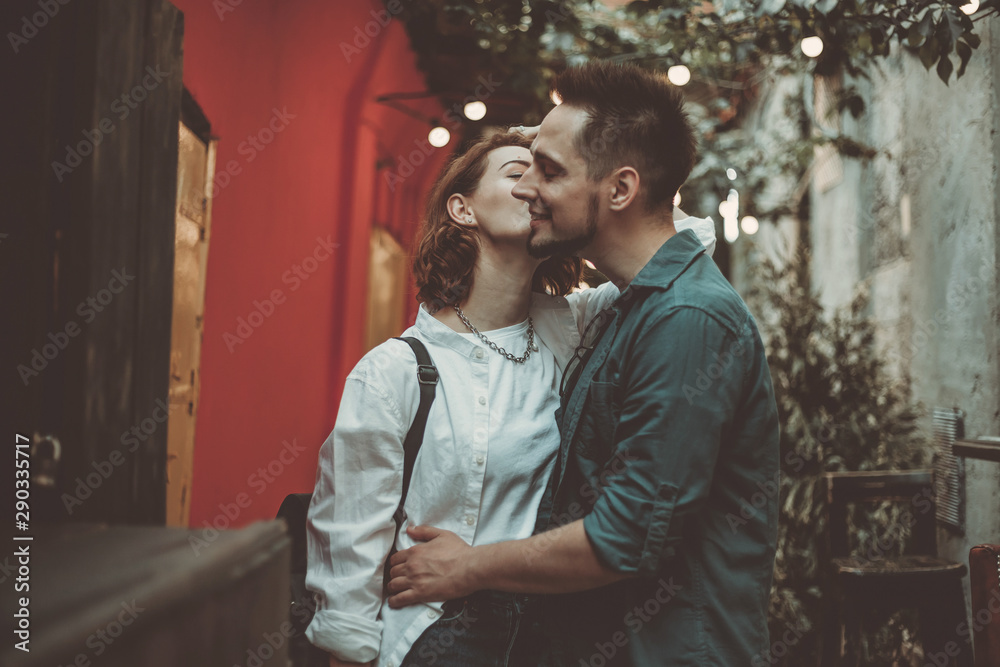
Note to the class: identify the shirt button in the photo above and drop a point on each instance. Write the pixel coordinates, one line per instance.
(480, 459)
(469, 519)
(431, 613)
(482, 400)
(479, 354)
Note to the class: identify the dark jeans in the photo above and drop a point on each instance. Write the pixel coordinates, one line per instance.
(485, 629)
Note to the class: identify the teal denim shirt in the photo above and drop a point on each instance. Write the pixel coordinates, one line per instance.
(669, 453)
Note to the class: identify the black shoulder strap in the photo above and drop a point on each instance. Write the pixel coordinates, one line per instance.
(427, 377)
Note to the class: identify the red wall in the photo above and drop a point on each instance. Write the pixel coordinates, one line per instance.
(316, 179)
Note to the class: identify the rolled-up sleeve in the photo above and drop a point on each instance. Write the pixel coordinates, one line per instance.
(679, 388)
(350, 524)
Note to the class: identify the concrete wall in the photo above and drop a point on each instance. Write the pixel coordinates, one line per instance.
(918, 227)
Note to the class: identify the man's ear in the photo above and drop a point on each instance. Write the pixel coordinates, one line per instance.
(624, 188)
(460, 210)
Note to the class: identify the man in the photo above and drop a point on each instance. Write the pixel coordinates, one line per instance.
(660, 520)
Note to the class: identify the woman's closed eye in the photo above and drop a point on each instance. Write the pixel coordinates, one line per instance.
(516, 175)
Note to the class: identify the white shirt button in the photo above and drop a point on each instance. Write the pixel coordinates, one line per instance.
(479, 354)
(431, 613)
(469, 519)
(480, 459)
(482, 400)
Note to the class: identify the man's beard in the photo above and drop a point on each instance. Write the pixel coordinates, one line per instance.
(570, 246)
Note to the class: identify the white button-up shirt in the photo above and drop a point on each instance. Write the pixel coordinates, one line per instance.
(488, 450)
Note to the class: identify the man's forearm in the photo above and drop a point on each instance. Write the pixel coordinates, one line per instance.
(558, 561)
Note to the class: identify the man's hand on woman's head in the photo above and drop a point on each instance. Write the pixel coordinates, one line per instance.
(436, 571)
(529, 132)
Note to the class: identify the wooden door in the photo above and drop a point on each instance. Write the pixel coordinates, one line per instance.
(386, 288)
(195, 170)
(90, 251)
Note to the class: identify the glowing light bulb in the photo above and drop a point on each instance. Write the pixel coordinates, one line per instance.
(731, 174)
(730, 229)
(555, 97)
(750, 225)
(970, 8)
(677, 198)
(727, 209)
(679, 75)
(475, 110)
(589, 263)
(812, 46)
(439, 137)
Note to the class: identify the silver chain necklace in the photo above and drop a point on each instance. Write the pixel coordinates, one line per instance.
(499, 350)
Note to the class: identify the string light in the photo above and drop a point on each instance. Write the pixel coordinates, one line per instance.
(729, 210)
(731, 174)
(475, 110)
(555, 97)
(439, 137)
(812, 46)
(750, 225)
(730, 229)
(677, 198)
(679, 75)
(970, 8)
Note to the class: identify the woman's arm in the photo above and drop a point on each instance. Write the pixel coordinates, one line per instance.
(350, 526)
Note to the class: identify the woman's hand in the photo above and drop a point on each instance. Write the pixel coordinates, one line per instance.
(529, 132)
(335, 662)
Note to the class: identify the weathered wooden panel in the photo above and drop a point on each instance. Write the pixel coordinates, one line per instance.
(94, 169)
(156, 597)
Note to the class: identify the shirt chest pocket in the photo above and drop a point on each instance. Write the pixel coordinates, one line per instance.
(599, 421)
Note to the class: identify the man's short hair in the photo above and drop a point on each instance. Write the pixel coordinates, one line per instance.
(636, 118)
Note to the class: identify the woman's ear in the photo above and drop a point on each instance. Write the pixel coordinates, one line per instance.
(460, 210)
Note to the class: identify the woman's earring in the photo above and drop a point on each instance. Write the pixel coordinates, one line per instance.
(469, 220)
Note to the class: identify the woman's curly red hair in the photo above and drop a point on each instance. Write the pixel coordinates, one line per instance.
(447, 252)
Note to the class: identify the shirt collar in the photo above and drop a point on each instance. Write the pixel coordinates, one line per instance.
(441, 333)
(670, 261)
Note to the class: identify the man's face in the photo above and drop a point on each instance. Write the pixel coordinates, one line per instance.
(563, 202)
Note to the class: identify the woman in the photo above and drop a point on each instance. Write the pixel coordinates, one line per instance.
(500, 344)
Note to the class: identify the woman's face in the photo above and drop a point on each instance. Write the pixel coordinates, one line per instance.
(501, 217)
